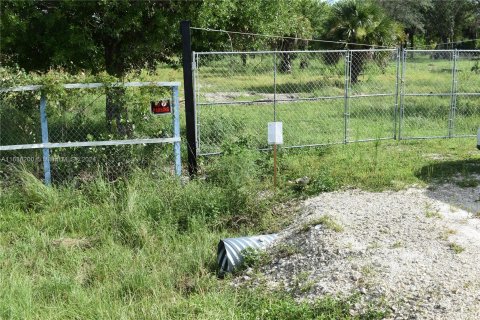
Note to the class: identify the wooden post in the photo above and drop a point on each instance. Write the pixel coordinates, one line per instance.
(189, 102)
(275, 167)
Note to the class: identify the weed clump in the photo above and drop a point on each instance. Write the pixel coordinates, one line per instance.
(456, 248)
(326, 221)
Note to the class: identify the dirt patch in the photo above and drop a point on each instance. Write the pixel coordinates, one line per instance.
(416, 251)
(226, 97)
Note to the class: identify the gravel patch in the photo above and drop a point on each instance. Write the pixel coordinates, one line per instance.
(416, 252)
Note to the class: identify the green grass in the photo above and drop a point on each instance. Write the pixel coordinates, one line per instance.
(433, 214)
(456, 248)
(143, 247)
(283, 250)
(397, 244)
(151, 254)
(468, 183)
(379, 166)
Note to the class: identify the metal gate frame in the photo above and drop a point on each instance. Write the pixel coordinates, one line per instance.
(347, 95)
(453, 94)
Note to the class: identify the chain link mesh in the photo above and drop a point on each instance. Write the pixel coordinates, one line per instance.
(441, 93)
(20, 118)
(427, 93)
(322, 97)
(309, 88)
(372, 95)
(86, 115)
(326, 97)
(466, 116)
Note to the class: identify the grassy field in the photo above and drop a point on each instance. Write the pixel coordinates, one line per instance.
(119, 237)
(144, 247)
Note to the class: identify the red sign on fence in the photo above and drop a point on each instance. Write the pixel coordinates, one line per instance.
(161, 107)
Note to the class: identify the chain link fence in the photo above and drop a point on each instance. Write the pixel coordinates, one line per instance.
(440, 94)
(322, 97)
(78, 132)
(327, 97)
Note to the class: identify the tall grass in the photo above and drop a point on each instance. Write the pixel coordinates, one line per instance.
(143, 247)
(140, 248)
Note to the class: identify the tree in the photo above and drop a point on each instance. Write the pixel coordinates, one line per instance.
(410, 13)
(358, 23)
(239, 16)
(291, 23)
(112, 36)
(294, 18)
(452, 19)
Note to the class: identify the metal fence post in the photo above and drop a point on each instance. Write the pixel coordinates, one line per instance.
(453, 96)
(196, 99)
(176, 131)
(347, 80)
(402, 92)
(45, 151)
(395, 111)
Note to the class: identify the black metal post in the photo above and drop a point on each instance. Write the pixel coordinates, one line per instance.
(189, 103)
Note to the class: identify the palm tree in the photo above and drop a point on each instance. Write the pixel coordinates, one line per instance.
(362, 25)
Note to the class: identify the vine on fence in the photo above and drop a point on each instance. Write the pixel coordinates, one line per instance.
(81, 115)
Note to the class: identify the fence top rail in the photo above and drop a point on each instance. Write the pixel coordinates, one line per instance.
(442, 50)
(95, 85)
(292, 51)
(372, 50)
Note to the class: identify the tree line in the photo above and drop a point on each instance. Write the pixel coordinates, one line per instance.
(118, 35)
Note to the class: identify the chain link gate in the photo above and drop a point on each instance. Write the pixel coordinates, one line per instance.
(322, 97)
(440, 93)
(330, 97)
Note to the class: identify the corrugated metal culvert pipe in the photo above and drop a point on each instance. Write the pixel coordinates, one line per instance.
(230, 250)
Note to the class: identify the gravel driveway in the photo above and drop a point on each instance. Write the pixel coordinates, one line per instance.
(415, 251)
